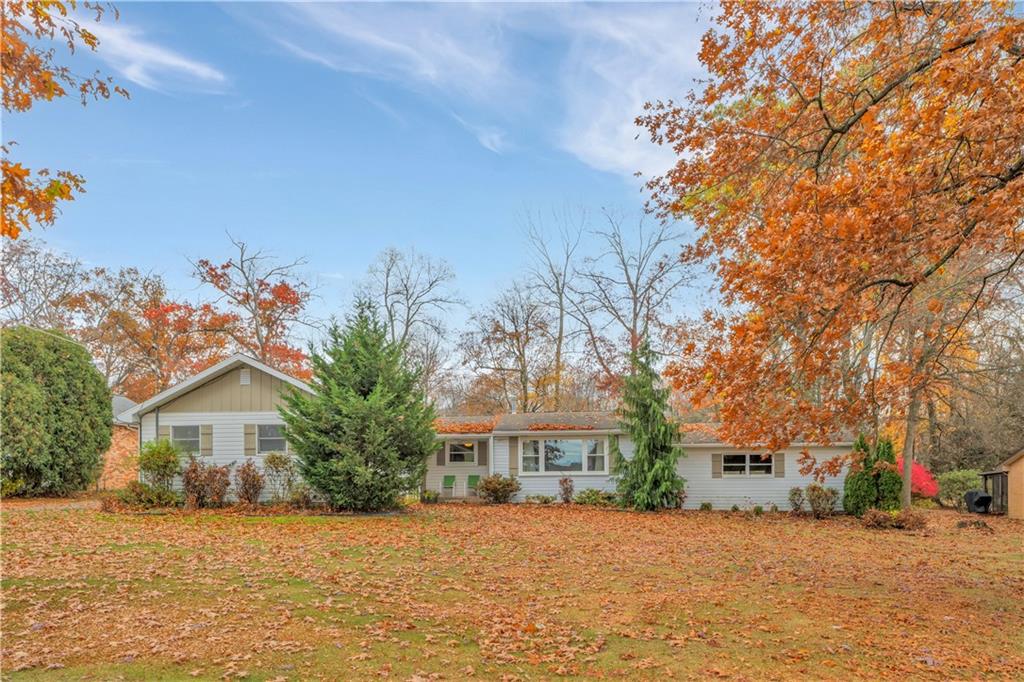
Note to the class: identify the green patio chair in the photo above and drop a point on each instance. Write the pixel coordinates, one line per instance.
(471, 483)
(448, 486)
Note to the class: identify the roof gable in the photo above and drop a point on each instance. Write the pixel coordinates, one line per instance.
(207, 375)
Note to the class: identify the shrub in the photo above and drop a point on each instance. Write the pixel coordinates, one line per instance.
(773, 508)
(758, 510)
(159, 463)
(705, 506)
(303, 496)
(908, 519)
(56, 414)
(566, 488)
(648, 480)
(822, 500)
(954, 484)
(429, 496)
(540, 499)
(922, 483)
(497, 489)
(796, 499)
(362, 440)
(216, 482)
(193, 484)
(859, 492)
(139, 495)
(594, 497)
(248, 483)
(279, 472)
(876, 519)
(735, 508)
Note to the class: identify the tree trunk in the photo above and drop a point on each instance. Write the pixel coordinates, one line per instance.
(908, 445)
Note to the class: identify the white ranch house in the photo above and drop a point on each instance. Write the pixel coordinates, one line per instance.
(228, 413)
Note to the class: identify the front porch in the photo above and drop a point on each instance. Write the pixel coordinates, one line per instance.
(457, 466)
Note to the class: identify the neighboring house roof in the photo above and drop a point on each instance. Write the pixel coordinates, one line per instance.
(213, 372)
(120, 404)
(523, 422)
(1005, 464)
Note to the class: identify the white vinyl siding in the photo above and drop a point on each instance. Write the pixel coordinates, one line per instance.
(228, 433)
(747, 490)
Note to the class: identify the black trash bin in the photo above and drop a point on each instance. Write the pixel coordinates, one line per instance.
(978, 501)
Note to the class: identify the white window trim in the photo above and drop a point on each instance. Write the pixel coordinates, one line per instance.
(262, 452)
(748, 457)
(199, 440)
(448, 454)
(607, 457)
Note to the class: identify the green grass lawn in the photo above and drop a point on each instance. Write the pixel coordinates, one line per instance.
(524, 592)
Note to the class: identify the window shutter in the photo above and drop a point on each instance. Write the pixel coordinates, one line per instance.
(164, 433)
(716, 465)
(440, 456)
(250, 439)
(779, 464)
(481, 453)
(206, 440)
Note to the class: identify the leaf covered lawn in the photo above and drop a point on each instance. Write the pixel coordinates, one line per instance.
(513, 592)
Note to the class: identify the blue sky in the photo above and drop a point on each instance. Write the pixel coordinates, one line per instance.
(332, 131)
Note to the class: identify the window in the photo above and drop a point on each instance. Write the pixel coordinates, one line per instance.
(462, 453)
(186, 439)
(531, 456)
(563, 456)
(270, 438)
(746, 465)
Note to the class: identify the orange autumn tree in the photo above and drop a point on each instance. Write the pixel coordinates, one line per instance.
(265, 300)
(31, 73)
(854, 172)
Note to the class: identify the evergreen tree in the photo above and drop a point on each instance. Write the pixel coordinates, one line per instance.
(363, 438)
(648, 480)
(889, 481)
(860, 491)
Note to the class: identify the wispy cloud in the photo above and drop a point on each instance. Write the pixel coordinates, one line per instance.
(600, 64)
(151, 65)
(490, 137)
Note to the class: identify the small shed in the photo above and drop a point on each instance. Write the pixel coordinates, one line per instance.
(1013, 468)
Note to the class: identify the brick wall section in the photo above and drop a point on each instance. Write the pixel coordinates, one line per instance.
(120, 463)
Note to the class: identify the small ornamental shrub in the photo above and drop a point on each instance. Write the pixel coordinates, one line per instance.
(139, 495)
(279, 472)
(796, 499)
(822, 500)
(497, 489)
(758, 510)
(876, 519)
(908, 519)
(594, 497)
(216, 482)
(540, 499)
(429, 496)
(954, 484)
(249, 483)
(193, 484)
(303, 496)
(922, 483)
(705, 506)
(735, 508)
(566, 488)
(159, 463)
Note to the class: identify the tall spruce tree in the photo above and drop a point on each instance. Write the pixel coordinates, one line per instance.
(363, 438)
(648, 480)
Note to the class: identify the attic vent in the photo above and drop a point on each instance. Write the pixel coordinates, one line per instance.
(245, 377)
